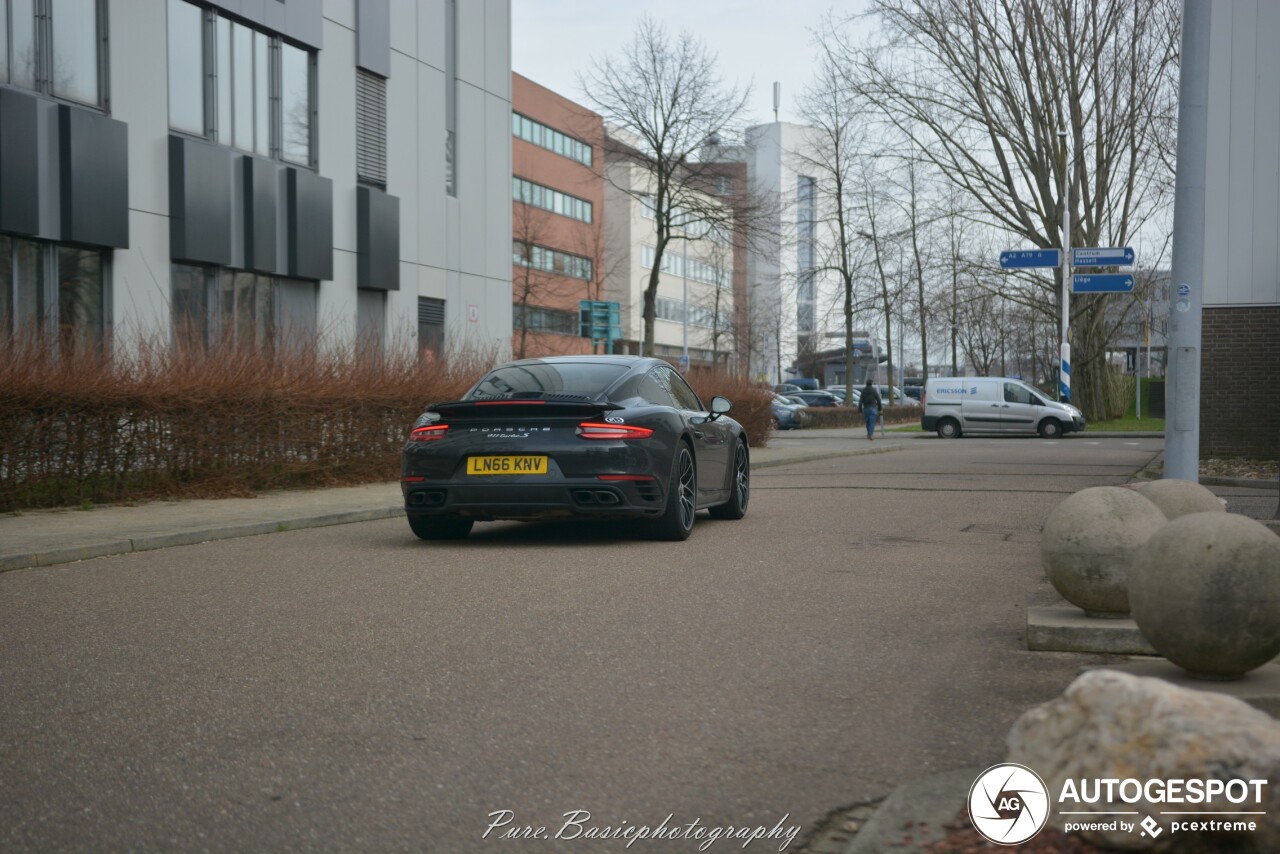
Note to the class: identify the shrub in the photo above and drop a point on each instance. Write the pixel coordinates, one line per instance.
(848, 416)
(750, 401)
(85, 428)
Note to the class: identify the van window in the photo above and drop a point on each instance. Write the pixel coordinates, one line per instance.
(1014, 393)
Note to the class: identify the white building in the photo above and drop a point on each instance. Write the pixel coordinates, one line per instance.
(255, 168)
(696, 280)
(790, 305)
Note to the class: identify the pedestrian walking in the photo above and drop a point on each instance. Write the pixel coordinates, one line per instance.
(869, 404)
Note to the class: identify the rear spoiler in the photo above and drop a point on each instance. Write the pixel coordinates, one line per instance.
(521, 408)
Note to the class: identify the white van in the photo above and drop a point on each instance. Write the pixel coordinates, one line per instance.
(954, 406)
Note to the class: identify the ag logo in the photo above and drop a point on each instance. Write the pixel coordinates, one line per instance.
(1008, 803)
(613, 419)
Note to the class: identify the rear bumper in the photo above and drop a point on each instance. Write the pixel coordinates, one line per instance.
(928, 423)
(488, 501)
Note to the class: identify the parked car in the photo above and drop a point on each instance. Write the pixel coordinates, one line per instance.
(900, 398)
(818, 398)
(590, 436)
(787, 388)
(913, 391)
(838, 391)
(804, 383)
(787, 414)
(956, 406)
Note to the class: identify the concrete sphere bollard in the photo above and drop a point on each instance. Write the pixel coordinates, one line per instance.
(1205, 591)
(1179, 497)
(1088, 542)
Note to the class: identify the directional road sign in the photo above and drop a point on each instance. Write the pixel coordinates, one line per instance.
(1012, 259)
(1121, 256)
(1112, 283)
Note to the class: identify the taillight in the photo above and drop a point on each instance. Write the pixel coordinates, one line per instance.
(594, 430)
(429, 433)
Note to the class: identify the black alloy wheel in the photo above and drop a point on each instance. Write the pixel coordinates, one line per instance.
(676, 523)
(740, 492)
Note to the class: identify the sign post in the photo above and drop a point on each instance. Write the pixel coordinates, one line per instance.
(1106, 283)
(1121, 256)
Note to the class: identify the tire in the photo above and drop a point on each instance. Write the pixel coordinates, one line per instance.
(948, 428)
(740, 491)
(1050, 429)
(440, 527)
(676, 523)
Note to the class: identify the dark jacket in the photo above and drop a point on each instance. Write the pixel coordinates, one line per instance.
(870, 399)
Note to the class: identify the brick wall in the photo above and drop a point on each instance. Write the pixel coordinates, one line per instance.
(1240, 383)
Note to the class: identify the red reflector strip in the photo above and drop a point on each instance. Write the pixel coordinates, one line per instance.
(626, 477)
(592, 430)
(511, 403)
(431, 433)
(412, 479)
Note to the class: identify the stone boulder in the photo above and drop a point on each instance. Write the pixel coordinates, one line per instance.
(1113, 726)
(1205, 593)
(1179, 497)
(1088, 542)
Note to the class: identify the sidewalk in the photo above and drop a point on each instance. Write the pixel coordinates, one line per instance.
(47, 537)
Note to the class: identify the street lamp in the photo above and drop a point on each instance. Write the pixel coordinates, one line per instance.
(1064, 377)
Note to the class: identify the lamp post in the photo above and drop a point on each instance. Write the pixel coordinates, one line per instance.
(684, 313)
(1064, 379)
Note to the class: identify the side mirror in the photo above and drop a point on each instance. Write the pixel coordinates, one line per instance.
(719, 406)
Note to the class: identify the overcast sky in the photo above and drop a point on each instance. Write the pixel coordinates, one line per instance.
(756, 41)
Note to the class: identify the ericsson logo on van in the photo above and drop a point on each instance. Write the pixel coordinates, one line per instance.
(973, 390)
(1009, 803)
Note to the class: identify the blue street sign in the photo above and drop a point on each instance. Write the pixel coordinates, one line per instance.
(1121, 256)
(1012, 259)
(1111, 283)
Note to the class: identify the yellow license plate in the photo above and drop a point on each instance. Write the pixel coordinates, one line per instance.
(506, 465)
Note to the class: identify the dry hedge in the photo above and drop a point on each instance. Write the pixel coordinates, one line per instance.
(86, 429)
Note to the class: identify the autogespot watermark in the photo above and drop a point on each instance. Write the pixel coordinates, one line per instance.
(1010, 803)
(578, 824)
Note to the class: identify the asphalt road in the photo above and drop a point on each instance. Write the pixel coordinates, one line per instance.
(351, 687)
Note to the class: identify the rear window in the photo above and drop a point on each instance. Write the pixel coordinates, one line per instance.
(539, 378)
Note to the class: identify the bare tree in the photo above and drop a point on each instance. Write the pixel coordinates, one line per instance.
(983, 87)
(834, 159)
(665, 99)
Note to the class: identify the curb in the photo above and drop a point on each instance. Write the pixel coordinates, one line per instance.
(105, 548)
(818, 455)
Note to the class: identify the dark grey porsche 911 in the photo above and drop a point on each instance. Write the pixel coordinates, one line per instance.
(586, 436)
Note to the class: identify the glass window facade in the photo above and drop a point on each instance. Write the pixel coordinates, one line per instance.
(214, 306)
(53, 47)
(295, 104)
(678, 264)
(548, 199)
(550, 260)
(539, 319)
(263, 94)
(186, 69)
(75, 50)
(46, 286)
(549, 138)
